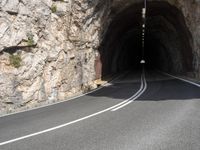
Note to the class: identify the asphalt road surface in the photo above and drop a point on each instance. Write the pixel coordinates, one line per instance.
(138, 111)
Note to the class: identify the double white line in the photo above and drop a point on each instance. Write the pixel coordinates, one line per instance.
(112, 108)
(142, 89)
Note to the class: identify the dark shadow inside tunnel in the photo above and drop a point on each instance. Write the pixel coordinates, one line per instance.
(167, 40)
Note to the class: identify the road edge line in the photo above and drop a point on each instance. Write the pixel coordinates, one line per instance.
(182, 79)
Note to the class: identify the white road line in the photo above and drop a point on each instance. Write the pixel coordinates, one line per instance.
(63, 125)
(129, 100)
(142, 89)
(60, 126)
(187, 81)
(115, 109)
(72, 98)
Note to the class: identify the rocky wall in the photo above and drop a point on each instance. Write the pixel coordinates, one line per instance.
(47, 50)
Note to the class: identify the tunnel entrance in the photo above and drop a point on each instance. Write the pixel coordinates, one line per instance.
(167, 41)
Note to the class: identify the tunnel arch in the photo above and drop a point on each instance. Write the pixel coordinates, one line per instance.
(167, 43)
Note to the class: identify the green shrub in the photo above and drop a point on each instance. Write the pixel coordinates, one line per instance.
(30, 39)
(53, 8)
(15, 60)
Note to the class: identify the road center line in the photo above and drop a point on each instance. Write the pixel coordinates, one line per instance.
(142, 89)
(129, 100)
(69, 123)
(60, 126)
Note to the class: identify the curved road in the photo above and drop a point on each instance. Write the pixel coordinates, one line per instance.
(151, 111)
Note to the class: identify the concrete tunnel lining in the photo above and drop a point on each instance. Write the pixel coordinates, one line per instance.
(167, 42)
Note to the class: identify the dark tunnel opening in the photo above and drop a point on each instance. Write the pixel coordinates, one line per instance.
(167, 40)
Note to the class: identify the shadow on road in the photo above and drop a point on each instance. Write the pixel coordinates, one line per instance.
(159, 88)
(170, 89)
(117, 91)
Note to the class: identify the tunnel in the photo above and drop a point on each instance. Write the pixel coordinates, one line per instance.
(167, 40)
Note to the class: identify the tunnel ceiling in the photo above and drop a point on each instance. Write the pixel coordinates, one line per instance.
(167, 40)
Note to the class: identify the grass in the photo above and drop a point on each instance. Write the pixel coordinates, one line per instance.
(53, 8)
(15, 60)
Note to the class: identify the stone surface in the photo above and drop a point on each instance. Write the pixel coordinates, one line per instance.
(11, 6)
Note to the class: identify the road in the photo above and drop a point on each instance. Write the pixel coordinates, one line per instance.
(138, 111)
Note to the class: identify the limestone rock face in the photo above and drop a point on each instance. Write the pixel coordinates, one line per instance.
(47, 48)
(11, 6)
(56, 57)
